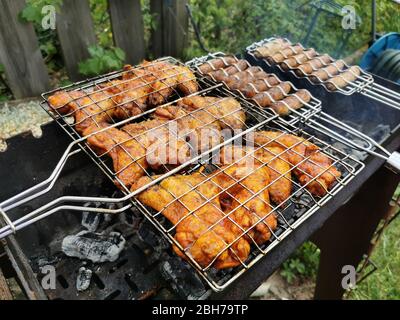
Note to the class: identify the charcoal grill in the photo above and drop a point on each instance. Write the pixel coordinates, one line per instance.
(290, 222)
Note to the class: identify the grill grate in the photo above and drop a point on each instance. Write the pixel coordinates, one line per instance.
(290, 212)
(363, 82)
(307, 110)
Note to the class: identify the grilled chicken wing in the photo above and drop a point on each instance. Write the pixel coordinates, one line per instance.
(151, 83)
(313, 168)
(198, 206)
(273, 158)
(87, 109)
(168, 78)
(161, 141)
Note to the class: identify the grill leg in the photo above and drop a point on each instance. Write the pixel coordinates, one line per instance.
(346, 236)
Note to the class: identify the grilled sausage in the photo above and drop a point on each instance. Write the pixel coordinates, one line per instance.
(223, 74)
(312, 65)
(298, 59)
(270, 48)
(240, 79)
(344, 78)
(259, 85)
(327, 72)
(266, 98)
(285, 53)
(217, 63)
(294, 101)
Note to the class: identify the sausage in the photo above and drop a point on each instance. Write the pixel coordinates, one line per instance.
(223, 74)
(343, 79)
(217, 63)
(294, 101)
(312, 65)
(259, 85)
(327, 72)
(266, 98)
(240, 79)
(270, 48)
(298, 59)
(285, 53)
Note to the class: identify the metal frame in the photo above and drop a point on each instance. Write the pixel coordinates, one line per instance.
(364, 84)
(259, 120)
(304, 112)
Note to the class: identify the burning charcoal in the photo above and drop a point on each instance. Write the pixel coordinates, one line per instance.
(94, 246)
(182, 278)
(84, 278)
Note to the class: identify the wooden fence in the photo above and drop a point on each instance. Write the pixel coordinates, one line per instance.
(25, 69)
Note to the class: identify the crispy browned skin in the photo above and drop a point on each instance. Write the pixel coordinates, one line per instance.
(169, 77)
(267, 98)
(270, 48)
(200, 215)
(277, 165)
(201, 119)
(259, 85)
(298, 59)
(217, 63)
(312, 167)
(327, 72)
(174, 135)
(294, 101)
(344, 78)
(151, 83)
(223, 74)
(312, 65)
(87, 109)
(283, 54)
(131, 92)
(127, 154)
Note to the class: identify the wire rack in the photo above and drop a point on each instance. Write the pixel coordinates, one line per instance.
(362, 81)
(308, 109)
(289, 213)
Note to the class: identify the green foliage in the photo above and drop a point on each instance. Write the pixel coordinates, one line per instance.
(229, 25)
(303, 263)
(102, 60)
(33, 9)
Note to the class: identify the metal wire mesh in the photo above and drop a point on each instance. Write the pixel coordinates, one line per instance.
(360, 82)
(288, 213)
(293, 115)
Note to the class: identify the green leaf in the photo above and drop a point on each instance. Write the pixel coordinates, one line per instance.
(119, 53)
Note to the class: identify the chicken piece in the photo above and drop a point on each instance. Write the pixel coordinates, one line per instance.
(198, 206)
(246, 200)
(127, 154)
(201, 119)
(275, 161)
(227, 111)
(131, 93)
(88, 109)
(313, 168)
(169, 77)
(200, 226)
(162, 144)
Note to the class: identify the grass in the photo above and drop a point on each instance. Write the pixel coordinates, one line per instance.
(383, 284)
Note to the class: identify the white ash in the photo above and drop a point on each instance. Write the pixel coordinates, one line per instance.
(84, 278)
(21, 117)
(95, 247)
